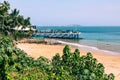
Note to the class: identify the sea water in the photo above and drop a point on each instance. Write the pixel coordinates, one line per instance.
(100, 37)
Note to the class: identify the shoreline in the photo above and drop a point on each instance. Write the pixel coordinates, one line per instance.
(85, 47)
(35, 50)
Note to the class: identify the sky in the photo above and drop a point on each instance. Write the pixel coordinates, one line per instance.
(67, 12)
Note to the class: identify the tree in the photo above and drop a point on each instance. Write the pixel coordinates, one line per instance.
(10, 22)
(15, 64)
(6, 60)
(5, 6)
(14, 16)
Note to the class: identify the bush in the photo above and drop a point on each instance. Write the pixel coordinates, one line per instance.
(79, 67)
(16, 65)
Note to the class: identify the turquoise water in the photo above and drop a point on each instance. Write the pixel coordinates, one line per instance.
(102, 37)
(38, 37)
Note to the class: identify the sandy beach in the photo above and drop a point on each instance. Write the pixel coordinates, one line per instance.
(111, 63)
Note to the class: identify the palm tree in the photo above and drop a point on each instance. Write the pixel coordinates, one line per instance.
(14, 15)
(27, 23)
(10, 22)
(5, 6)
(18, 21)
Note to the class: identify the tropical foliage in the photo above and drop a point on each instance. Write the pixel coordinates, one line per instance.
(15, 64)
(11, 21)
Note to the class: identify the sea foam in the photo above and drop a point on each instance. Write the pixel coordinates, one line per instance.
(88, 48)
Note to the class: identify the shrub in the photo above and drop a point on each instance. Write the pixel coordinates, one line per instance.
(16, 65)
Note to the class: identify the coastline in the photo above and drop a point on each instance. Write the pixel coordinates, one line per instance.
(89, 48)
(111, 62)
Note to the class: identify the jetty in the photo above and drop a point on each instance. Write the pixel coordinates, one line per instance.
(58, 34)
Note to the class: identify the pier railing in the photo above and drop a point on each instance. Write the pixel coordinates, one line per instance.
(67, 35)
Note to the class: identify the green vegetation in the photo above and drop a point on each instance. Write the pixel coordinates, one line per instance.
(15, 64)
(11, 21)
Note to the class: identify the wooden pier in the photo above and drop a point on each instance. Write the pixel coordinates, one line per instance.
(63, 35)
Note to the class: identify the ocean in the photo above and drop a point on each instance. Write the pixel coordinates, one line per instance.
(104, 38)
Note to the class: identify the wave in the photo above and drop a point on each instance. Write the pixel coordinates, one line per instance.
(88, 48)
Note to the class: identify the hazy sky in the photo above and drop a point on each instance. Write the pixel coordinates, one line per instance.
(65, 12)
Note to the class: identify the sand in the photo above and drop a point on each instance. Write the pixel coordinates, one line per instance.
(111, 62)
